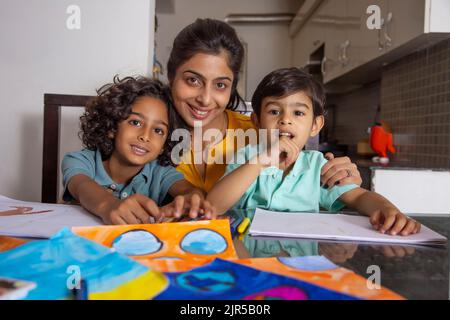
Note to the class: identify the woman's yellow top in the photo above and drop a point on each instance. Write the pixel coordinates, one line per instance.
(217, 155)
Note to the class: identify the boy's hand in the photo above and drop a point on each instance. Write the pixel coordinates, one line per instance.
(192, 204)
(338, 252)
(289, 152)
(136, 209)
(286, 153)
(390, 220)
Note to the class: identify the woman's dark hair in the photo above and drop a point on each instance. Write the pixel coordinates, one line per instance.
(286, 81)
(208, 36)
(113, 105)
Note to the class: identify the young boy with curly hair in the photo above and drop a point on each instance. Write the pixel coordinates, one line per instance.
(125, 172)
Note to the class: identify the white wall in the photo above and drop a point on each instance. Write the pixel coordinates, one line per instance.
(40, 55)
(269, 45)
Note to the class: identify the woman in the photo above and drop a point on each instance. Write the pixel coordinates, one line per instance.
(203, 71)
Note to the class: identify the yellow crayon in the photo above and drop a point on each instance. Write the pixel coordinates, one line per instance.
(243, 226)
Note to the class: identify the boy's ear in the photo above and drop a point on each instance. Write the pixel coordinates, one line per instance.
(318, 123)
(254, 119)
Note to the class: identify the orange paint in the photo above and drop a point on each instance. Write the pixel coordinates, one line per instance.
(171, 235)
(340, 279)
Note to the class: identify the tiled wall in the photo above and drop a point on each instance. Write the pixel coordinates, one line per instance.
(415, 100)
(354, 113)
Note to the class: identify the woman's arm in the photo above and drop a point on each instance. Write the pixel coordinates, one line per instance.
(384, 216)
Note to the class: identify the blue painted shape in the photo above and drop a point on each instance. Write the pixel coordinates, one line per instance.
(204, 241)
(209, 282)
(206, 281)
(308, 263)
(53, 263)
(137, 243)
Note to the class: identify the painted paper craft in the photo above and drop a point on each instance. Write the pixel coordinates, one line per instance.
(167, 247)
(40, 220)
(320, 271)
(8, 243)
(223, 279)
(56, 266)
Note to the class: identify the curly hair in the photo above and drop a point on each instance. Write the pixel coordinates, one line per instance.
(113, 104)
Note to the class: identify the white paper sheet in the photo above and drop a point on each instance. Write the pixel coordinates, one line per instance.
(52, 218)
(336, 227)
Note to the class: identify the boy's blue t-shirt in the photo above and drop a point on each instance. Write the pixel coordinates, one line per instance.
(299, 191)
(153, 180)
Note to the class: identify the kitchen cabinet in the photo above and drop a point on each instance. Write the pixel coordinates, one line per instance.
(306, 42)
(351, 48)
(332, 17)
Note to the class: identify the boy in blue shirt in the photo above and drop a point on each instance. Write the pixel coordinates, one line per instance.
(289, 104)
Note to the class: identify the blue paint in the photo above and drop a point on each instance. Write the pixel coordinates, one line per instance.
(136, 243)
(49, 262)
(226, 280)
(203, 241)
(206, 281)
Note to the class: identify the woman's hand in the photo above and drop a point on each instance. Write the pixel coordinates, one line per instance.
(339, 171)
(192, 204)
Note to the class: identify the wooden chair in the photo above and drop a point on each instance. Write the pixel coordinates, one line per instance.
(50, 155)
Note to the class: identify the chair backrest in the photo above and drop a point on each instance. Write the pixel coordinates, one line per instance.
(52, 129)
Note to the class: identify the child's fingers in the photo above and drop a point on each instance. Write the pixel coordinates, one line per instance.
(178, 206)
(375, 220)
(208, 209)
(388, 223)
(195, 206)
(399, 224)
(388, 251)
(399, 252)
(418, 226)
(130, 218)
(117, 220)
(149, 206)
(408, 228)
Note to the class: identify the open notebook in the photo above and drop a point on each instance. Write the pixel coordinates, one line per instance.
(335, 227)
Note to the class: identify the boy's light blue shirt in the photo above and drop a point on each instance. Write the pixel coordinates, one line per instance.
(153, 180)
(299, 191)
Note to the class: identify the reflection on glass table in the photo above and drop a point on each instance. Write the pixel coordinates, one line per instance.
(416, 272)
